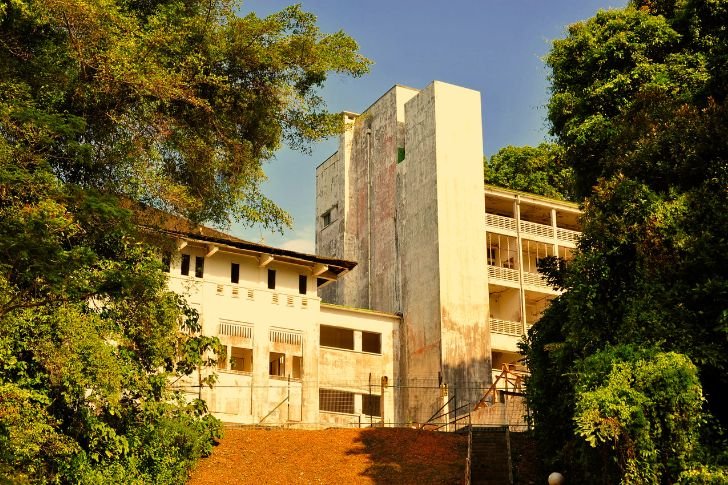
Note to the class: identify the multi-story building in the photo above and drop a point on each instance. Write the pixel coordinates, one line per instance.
(427, 280)
(404, 197)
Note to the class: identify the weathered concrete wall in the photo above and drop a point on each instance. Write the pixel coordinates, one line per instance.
(463, 280)
(361, 179)
(442, 244)
(419, 252)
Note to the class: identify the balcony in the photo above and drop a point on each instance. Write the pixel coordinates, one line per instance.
(533, 230)
(509, 277)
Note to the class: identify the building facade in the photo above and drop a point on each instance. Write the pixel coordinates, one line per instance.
(403, 196)
(289, 359)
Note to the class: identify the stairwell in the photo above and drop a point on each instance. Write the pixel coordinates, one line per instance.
(490, 456)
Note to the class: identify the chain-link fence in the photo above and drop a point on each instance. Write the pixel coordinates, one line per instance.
(423, 403)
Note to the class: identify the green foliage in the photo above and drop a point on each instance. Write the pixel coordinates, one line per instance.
(538, 170)
(172, 103)
(639, 108)
(110, 104)
(644, 406)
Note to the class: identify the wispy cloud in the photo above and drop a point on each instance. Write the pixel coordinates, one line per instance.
(302, 240)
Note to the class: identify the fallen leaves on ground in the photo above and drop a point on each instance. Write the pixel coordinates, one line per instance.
(336, 456)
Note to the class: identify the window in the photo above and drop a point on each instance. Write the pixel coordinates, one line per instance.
(271, 279)
(185, 267)
(199, 266)
(371, 342)
(234, 273)
(297, 367)
(340, 338)
(241, 359)
(326, 218)
(371, 405)
(302, 284)
(277, 364)
(336, 401)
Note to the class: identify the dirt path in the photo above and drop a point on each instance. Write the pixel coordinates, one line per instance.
(336, 456)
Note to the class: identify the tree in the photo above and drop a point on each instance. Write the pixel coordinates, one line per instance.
(538, 170)
(107, 105)
(639, 107)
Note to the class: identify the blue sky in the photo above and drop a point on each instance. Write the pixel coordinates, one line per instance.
(493, 46)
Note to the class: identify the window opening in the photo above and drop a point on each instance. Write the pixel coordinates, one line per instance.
(297, 367)
(185, 266)
(371, 342)
(371, 405)
(302, 284)
(271, 279)
(199, 266)
(326, 218)
(340, 338)
(336, 401)
(241, 359)
(234, 273)
(277, 364)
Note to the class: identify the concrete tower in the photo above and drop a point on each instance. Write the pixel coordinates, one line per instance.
(403, 196)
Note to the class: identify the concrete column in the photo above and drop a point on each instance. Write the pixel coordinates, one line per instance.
(357, 340)
(556, 237)
(519, 244)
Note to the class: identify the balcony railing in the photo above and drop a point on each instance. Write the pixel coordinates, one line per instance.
(504, 274)
(568, 235)
(506, 327)
(500, 222)
(535, 279)
(535, 229)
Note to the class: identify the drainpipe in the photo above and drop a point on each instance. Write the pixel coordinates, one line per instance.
(369, 218)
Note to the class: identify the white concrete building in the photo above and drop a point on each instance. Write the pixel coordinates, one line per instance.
(289, 358)
(403, 196)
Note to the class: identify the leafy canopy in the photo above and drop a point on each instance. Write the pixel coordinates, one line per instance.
(537, 170)
(105, 105)
(175, 104)
(639, 107)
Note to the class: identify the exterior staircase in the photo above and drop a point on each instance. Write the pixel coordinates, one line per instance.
(490, 456)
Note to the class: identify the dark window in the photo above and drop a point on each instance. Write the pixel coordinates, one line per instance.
(185, 267)
(326, 218)
(271, 279)
(234, 273)
(302, 284)
(277, 364)
(336, 401)
(199, 266)
(370, 405)
(297, 366)
(341, 338)
(371, 342)
(400, 154)
(166, 262)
